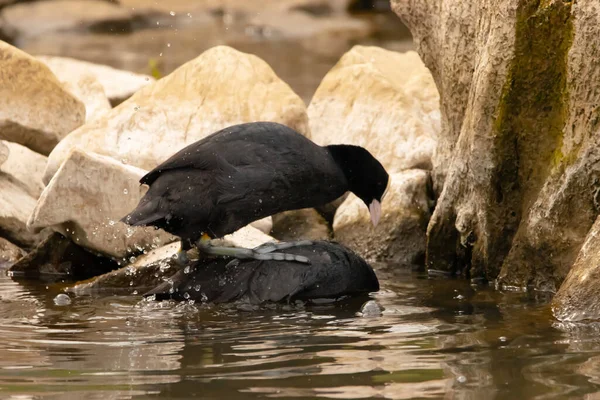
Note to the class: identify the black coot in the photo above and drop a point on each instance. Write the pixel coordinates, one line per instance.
(246, 172)
(334, 272)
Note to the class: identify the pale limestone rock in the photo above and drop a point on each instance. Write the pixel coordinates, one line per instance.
(516, 167)
(382, 100)
(30, 19)
(9, 253)
(149, 270)
(86, 199)
(264, 225)
(4, 152)
(400, 235)
(90, 92)
(25, 165)
(35, 110)
(118, 85)
(219, 88)
(15, 206)
(578, 298)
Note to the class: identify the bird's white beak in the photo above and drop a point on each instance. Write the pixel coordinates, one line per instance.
(375, 210)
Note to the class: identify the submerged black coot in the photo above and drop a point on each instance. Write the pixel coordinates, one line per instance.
(334, 272)
(246, 172)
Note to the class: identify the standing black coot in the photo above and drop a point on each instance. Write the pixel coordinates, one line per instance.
(249, 171)
(334, 272)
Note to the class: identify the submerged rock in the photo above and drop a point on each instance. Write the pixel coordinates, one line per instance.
(334, 272)
(156, 266)
(219, 88)
(382, 100)
(58, 258)
(35, 110)
(516, 167)
(85, 200)
(300, 224)
(118, 85)
(9, 253)
(400, 236)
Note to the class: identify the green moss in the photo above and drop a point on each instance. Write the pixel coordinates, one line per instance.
(531, 114)
(154, 69)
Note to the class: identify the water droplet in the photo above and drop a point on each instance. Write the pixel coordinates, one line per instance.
(260, 201)
(136, 108)
(502, 338)
(131, 283)
(131, 259)
(168, 44)
(147, 79)
(62, 300)
(197, 288)
(172, 13)
(461, 379)
(186, 295)
(111, 222)
(187, 270)
(189, 15)
(160, 55)
(204, 298)
(125, 191)
(157, 22)
(124, 160)
(135, 292)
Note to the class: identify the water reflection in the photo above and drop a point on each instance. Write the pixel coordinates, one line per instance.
(434, 339)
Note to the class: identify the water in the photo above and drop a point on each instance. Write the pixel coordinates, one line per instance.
(435, 339)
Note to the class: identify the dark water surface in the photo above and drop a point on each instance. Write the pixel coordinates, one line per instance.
(435, 339)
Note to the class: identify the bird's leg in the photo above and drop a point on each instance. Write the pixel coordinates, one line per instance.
(259, 253)
(272, 246)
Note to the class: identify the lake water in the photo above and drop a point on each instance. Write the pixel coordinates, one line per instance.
(435, 338)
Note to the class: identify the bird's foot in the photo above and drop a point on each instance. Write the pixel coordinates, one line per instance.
(182, 258)
(264, 252)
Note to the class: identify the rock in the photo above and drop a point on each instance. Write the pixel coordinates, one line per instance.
(400, 235)
(85, 200)
(90, 92)
(30, 19)
(384, 101)
(519, 170)
(151, 269)
(4, 152)
(317, 34)
(578, 298)
(300, 224)
(58, 258)
(36, 111)
(16, 204)
(9, 253)
(219, 88)
(118, 85)
(24, 165)
(264, 225)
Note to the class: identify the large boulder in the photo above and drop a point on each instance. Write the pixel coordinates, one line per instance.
(516, 167)
(35, 110)
(118, 85)
(219, 88)
(382, 100)
(90, 92)
(85, 200)
(400, 235)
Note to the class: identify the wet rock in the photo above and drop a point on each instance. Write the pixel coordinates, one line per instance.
(400, 235)
(9, 253)
(85, 200)
(384, 101)
(37, 111)
(219, 88)
(118, 85)
(24, 165)
(30, 19)
(517, 173)
(300, 224)
(150, 270)
(578, 298)
(58, 258)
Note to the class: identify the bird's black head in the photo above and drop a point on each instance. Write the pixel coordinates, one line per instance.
(367, 178)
